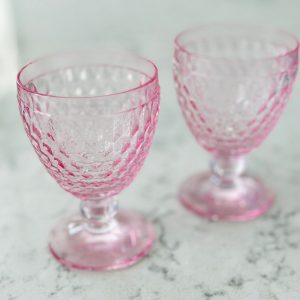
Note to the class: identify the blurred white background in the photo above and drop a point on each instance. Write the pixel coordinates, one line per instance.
(145, 26)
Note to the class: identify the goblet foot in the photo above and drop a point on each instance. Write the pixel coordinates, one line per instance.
(75, 245)
(247, 199)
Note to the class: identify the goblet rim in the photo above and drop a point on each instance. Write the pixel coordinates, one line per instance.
(148, 82)
(252, 27)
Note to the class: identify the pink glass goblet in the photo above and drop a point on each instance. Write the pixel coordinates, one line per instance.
(232, 84)
(91, 117)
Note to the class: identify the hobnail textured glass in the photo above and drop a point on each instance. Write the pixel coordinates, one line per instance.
(90, 118)
(232, 84)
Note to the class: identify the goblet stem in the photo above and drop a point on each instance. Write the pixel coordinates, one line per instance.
(100, 237)
(99, 215)
(226, 192)
(227, 170)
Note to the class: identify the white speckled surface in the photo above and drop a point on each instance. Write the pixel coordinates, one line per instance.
(192, 259)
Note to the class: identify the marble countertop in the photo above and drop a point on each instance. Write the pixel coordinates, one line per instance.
(192, 259)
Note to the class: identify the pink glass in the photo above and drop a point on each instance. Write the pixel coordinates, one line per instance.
(232, 84)
(91, 117)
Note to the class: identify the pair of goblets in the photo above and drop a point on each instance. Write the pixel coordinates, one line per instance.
(91, 118)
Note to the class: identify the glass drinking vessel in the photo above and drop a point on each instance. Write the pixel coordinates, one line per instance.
(232, 84)
(90, 117)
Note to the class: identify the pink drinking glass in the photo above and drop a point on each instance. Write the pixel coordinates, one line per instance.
(232, 84)
(91, 117)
